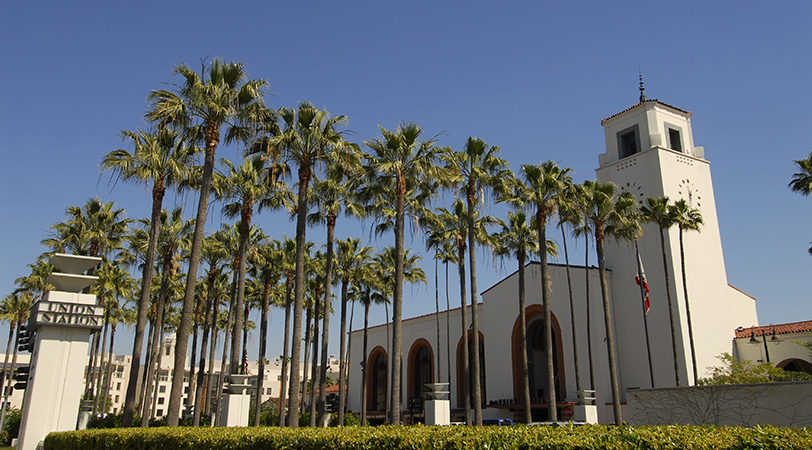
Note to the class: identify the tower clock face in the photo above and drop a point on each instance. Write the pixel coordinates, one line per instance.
(690, 193)
(635, 189)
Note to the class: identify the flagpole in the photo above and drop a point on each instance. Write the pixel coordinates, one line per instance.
(645, 313)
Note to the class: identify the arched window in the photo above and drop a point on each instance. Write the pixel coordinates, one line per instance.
(377, 381)
(537, 356)
(460, 370)
(421, 363)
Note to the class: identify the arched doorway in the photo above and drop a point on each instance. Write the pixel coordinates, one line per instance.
(537, 356)
(461, 371)
(377, 379)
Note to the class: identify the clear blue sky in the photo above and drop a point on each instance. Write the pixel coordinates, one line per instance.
(534, 78)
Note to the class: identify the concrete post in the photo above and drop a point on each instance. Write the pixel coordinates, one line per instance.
(62, 322)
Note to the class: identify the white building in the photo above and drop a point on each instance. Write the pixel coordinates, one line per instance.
(650, 152)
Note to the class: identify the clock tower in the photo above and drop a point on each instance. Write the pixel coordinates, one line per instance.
(650, 152)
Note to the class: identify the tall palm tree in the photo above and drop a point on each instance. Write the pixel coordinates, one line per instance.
(581, 200)
(37, 281)
(477, 168)
(517, 239)
(537, 192)
(242, 188)
(370, 278)
(453, 228)
(802, 180)
(159, 157)
(350, 261)
(267, 271)
(611, 214)
(15, 309)
(658, 210)
(687, 218)
(120, 314)
(332, 195)
(289, 269)
(200, 107)
(569, 213)
(309, 136)
(401, 159)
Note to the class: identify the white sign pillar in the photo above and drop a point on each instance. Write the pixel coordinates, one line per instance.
(438, 405)
(237, 403)
(62, 321)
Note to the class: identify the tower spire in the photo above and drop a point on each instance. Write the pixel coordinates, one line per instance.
(642, 88)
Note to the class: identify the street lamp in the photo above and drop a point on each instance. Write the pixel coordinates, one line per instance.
(773, 338)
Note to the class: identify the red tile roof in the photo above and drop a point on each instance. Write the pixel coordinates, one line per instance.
(782, 328)
(647, 101)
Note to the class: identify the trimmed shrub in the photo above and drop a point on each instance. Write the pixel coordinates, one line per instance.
(568, 437)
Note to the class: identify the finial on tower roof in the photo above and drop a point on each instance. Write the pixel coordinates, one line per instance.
(642, 88)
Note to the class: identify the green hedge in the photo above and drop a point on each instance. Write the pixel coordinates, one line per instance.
(450, 438)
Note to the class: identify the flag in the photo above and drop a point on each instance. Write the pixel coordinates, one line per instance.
(641, 277)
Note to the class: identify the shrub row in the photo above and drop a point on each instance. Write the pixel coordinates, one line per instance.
(449, 438)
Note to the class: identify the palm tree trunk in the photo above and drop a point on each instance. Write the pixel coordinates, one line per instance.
(475, 364)
(607, 317)
(588, 313)
(314, 366)
(347, 361)
(97, 385)
(204, 341)
(466, 377)
(285, 347)
(308, 337)
(143, 303)
(437, 313)
(16, 326)
(298, 297)
(572, 314)
(546, 295)
(154, 380)
(154, 352)
(328, 287)
(215, 310)
(4, 377)
(364, 362)
(244, 352)
(447, 328)
(670, 309)
(687, 305)
(190, 398)
(523, 340)
(397, 302)
(342, 339)
(263, 338)
(176, 392)
(389, 366)
(13, 327)
(109, 370)
(236, 364)
(224, 367)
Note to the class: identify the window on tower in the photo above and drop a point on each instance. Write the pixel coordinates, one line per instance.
(674, 139)
(628, 142)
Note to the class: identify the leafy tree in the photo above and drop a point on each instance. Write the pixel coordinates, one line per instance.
(733, 371)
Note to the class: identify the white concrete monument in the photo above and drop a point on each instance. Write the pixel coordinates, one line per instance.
(237, 403)
(438, 404)
(61, 323)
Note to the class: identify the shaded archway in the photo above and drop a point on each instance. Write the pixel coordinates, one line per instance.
(534, 323)
(377, 378)
(795, 365)
(482, 365)
(420, 368)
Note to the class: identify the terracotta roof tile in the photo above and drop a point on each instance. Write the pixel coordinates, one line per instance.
(638, 104)
(781, 328)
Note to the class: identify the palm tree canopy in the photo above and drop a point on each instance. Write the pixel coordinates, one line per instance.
(686, 217)
(159, 156)
(611, 212)
(95, 229)
(659, 210)
(802, 180)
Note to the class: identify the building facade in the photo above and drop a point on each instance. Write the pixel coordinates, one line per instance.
(650, 152)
